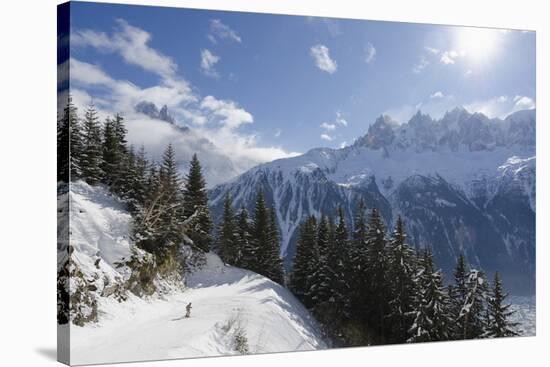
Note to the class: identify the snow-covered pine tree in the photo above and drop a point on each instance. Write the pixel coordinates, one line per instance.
(244, 242)
(138, 180)
(120, 132)
(305, 261)
(172, 199)
(357, 276)
(458, 293)
(432, 319)
(472, 314)
(158, 222)
(338, 264)
(273, 262)
(196, 200)
(422, 322)
(320, 290)
(499, 324)
(91, 147)
(259, 233)
(227, 242)
(378, 287)
(265, 241)
(401, 274)
(126, 175)
(69, 144)
(112, 154)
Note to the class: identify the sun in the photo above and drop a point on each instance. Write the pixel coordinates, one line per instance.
(478, 45)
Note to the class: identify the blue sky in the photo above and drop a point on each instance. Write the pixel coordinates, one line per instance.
(273, 85)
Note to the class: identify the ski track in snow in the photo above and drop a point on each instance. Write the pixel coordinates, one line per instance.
(274, 321)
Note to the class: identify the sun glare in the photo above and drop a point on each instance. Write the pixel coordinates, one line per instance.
(478, 45)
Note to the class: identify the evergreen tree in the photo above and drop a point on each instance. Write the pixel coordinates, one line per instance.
(471, 317)
(378, 288)
(420, 330)
(321, 291)
(227, 242)
(458, 293)
(401, 274)
(244, 241)
(138, 186)
(196, 201)
(260, 232)
(273, 263)
(158, 223)
(171, 199)
(357, 276)
(69, 144)
(112, 155)
(91, 147)
(499, 324)
(432, 319)
(305, 261)
(338, 264)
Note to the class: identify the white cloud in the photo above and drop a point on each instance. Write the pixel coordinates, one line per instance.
(433, 51)
(449, 57)
(332, 126)
(340, 120)
(421, 65)
(220, 31)
(328, 127)
(437, 94)
(278, 133)
(343, 144)
(208, 62)
(321, 55)
(132, 44)
(88, 74)
(231, 115)
(370, 53)
(524, 103)
(501, 106)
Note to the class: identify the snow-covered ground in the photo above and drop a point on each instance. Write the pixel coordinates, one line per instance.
(224, 299)
(525, 314)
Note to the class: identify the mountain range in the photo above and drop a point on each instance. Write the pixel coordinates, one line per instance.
(464, 183)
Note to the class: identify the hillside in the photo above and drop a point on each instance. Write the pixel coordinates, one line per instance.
(117, 325)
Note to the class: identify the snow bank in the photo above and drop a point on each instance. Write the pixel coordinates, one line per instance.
(100, 231)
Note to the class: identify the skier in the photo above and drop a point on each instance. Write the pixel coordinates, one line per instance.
(188, 309)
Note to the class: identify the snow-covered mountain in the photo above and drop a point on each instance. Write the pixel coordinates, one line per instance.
(463, 183)
(151, 110)
(111, 323)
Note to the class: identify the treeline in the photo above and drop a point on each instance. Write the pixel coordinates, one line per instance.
(366, 288)
(251, 243)
(167, 210)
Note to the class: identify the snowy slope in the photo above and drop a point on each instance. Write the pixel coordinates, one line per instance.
(223, 298)
(100, 231)
(120, 326)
